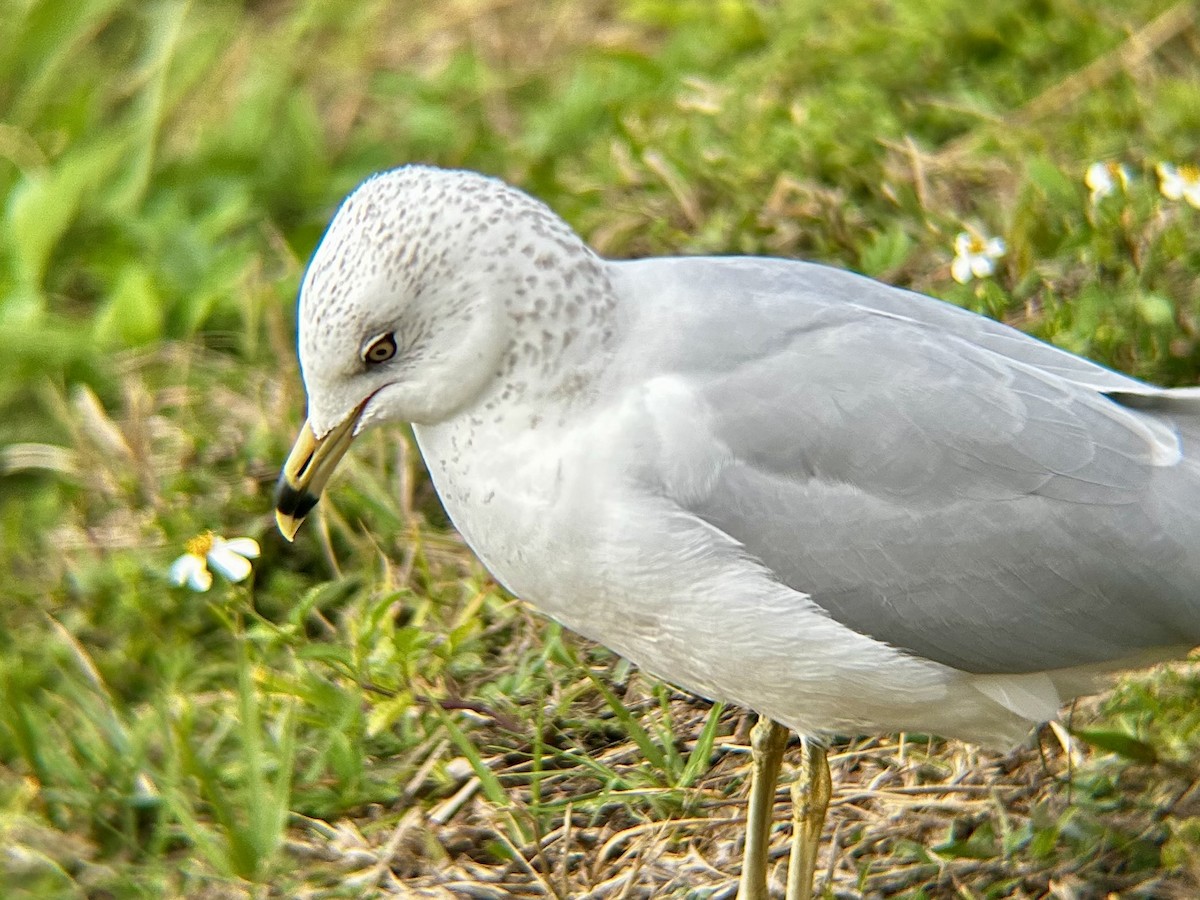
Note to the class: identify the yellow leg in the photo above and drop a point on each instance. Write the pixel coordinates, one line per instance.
(810, 799)
(767, 742)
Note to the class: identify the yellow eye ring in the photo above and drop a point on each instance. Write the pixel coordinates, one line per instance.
(379, 349)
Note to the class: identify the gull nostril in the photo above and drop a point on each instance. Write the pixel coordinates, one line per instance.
(304, 467)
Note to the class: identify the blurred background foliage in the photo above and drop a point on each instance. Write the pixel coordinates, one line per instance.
(166, 168)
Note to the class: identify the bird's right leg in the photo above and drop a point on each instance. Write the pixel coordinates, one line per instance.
(810, 800)
(767, 743)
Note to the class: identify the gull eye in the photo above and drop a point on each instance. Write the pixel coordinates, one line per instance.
(379, 349)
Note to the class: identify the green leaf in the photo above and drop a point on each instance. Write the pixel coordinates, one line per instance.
(44, 205)
(980, 844)
(1155, 310)
(1120, 743)
(492, 788)
(133, 315)
(701, 755)
(650, 750)
(1056, 186)
(888, 250)
(385, 713)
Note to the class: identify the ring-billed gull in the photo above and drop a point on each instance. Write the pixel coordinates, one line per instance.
(846, 506)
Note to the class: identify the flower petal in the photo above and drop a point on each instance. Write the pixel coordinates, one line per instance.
(962, 244)
(200, 580)
(178, 572)
(1170, 183)
(995, 247)
(242, 546)
(190, 569)
(1099, 179)
(982, 266)
(228, 563)
(961, 269)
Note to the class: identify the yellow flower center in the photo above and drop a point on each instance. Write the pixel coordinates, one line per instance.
(977, 246)
(201, 544)
(1190, 173)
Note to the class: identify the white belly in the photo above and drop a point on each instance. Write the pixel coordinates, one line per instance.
(679, 599)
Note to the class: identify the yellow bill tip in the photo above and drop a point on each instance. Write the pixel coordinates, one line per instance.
(288, 524)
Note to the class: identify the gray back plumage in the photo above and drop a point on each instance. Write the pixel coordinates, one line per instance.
(933, 478)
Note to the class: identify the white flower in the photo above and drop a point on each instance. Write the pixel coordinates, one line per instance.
(1103, 179)
(229, 557)
(1182, 182)
(975, 256)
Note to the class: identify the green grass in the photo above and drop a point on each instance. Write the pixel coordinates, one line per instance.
(371, 708)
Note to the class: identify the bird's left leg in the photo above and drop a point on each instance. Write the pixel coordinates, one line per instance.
(811, 791)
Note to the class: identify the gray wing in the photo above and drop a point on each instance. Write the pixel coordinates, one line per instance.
(939, 481)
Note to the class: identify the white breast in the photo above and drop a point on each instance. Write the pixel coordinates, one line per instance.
(666, 590)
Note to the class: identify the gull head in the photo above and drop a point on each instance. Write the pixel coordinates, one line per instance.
(420, 302)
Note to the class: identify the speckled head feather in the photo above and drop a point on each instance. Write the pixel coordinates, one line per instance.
(476, 281)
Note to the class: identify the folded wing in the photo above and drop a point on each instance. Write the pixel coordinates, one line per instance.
(937, 480)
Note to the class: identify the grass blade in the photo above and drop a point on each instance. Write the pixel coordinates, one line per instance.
(653, 753)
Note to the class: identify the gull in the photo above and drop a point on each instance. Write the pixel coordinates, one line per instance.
(848, 507)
